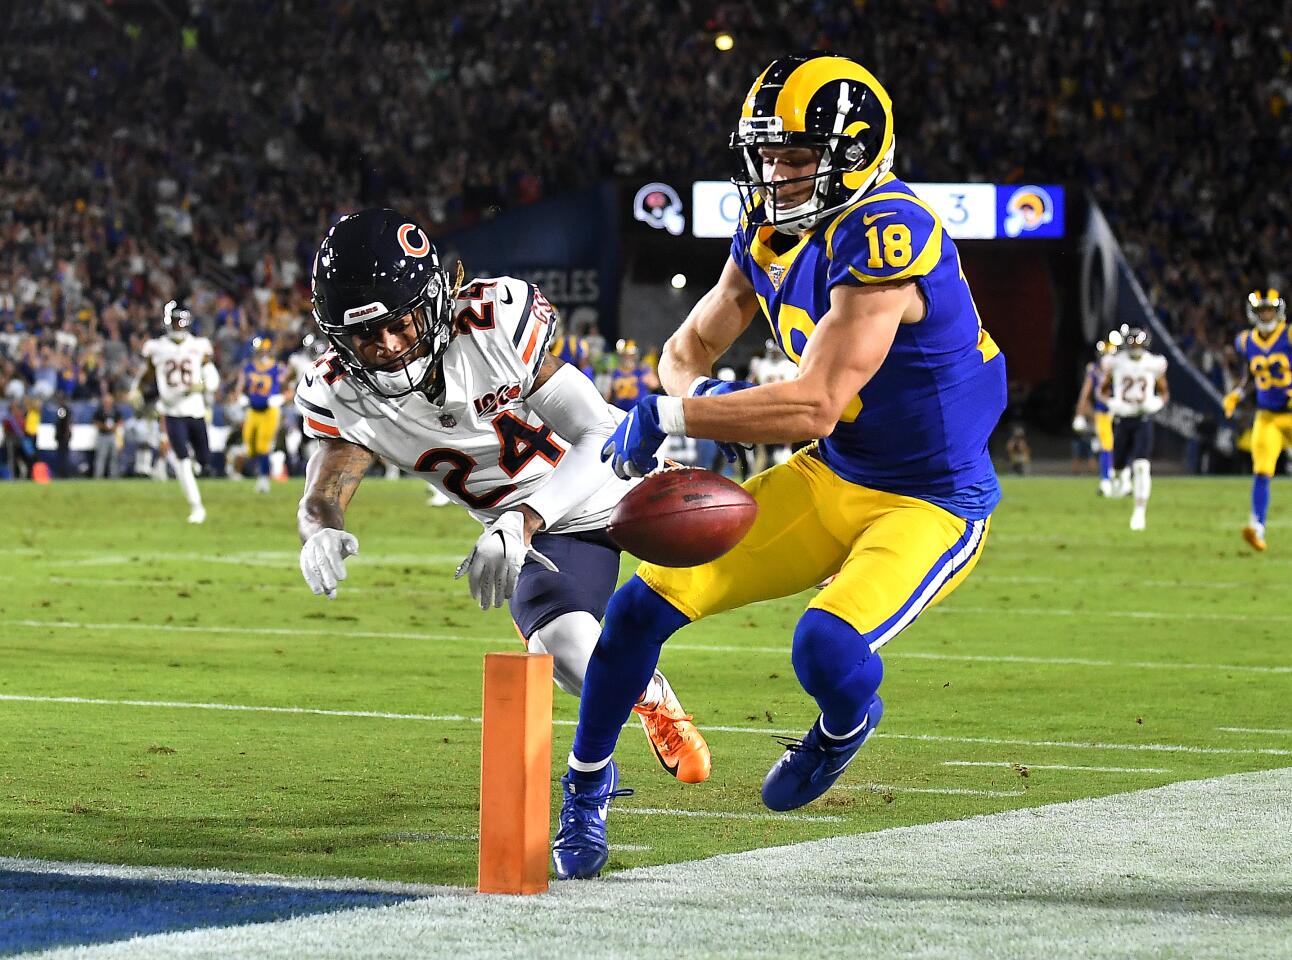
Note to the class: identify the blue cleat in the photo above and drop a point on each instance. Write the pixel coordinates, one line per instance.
(580, 849)
(809, 767)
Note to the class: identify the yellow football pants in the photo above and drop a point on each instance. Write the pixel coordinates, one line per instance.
(1104, 431)
(1271, 432)
(260, 430)
(892, 556)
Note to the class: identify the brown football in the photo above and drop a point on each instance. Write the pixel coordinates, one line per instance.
(682, 517)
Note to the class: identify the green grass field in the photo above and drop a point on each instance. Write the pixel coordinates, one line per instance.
(1078, 660)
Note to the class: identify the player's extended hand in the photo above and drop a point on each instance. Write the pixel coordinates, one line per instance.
(1153, 404)
(323, 560)
(712, 387)
(1080, 424)
(631, 448)
(1230, 403)
(494, 562)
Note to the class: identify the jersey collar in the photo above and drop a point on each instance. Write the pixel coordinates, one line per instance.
(1274, 335)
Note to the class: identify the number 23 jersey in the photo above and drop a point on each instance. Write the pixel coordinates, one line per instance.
(1134, 382)
(482, 445)
(920, 426)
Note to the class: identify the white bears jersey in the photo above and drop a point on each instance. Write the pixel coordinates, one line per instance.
(1134, 382)
(762, 370)
(481, 446)
(180, 369)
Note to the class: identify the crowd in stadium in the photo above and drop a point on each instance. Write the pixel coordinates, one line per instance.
(145, 166)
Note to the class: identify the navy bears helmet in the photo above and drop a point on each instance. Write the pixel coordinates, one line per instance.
(377, 269)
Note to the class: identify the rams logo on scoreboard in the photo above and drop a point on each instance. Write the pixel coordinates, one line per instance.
(1028, 208)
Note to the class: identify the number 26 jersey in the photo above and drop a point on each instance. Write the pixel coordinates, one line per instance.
(481, 445)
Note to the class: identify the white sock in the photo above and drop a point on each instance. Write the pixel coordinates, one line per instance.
(654, 694)
(576, 764)
(1142, 482)
(189, 485)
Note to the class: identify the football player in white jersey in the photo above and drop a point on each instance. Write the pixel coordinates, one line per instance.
(458, 387)
(1134, 388)
(180, 366)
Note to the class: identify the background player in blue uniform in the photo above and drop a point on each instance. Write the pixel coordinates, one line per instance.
(1092, 412)
(631, 379)
(262, 386)
(864, 291)
(1266, 351)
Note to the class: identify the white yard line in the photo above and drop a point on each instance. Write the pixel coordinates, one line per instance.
(1051, 766)
(1113, 877)
(1279, 731)
(512, 642)
(764, 731)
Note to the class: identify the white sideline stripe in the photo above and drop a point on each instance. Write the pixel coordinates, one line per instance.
(730, 815)
(512, 642)
(1050, 880)
(114, 871)
(1051, 766)
(766, 731)
(945, 791)
(1280, 731)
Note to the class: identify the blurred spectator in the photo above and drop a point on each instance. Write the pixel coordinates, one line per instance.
(107, 443)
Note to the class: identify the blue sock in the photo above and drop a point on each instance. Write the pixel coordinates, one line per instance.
(638, 621)
(262, 464)
(1260, 497)
(1105, 464)
(834, 663)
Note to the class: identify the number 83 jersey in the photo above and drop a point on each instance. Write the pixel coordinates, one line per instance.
(920, 426)
(1269, 358)
(481, 445)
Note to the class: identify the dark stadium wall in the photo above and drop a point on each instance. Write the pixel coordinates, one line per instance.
(1013, 287)
(568, 246)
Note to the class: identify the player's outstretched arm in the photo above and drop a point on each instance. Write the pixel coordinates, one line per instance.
(847, 347)
(712, 326)
(331, 478)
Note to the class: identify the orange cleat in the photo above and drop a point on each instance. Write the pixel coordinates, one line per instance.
(678, 744)
(1254, 537)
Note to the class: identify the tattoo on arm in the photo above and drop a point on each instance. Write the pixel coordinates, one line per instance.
(331, 478)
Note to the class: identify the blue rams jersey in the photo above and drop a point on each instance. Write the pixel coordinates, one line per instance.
(1269, 358)
(920, 427)
(1095, 377)
(574, 351)
(262, 383)
(627, 387)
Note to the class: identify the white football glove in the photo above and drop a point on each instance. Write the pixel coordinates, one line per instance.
(1120, 408)
(1153, 404)
(1080, 424)
(494, 562)
(323, 560)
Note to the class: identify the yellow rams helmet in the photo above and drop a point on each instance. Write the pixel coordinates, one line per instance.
(829, 103)
(627, 347)
(263, 345)
(1260, 301)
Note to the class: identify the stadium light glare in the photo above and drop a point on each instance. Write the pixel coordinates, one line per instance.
(724, 41)
(678, 281)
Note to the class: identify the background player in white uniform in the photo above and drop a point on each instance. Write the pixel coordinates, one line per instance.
(1134, 388)
(180, 365)
(458, 387)
(772, 367)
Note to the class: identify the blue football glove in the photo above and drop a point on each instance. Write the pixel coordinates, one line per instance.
(631, 448)
(713, 387)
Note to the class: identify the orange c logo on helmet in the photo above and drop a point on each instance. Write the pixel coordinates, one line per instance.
(422, 249)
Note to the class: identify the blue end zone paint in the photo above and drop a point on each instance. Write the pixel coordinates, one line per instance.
(43, 910)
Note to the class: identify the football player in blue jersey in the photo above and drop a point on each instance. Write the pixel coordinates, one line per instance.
(631, 379)
(864, 291)
(261, 384)
(1266, 351)
(1092, 411)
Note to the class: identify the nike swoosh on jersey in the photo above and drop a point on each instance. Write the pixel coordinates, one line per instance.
(869, 218)
(309, 381)
(505, 296)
